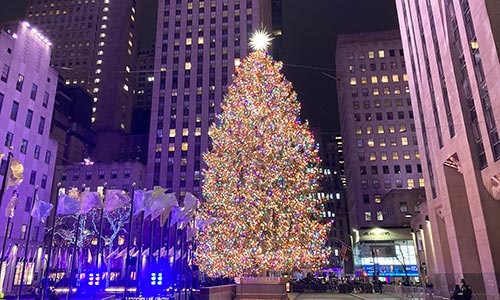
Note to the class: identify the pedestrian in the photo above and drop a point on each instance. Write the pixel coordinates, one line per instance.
(466, 290)
(457, 295)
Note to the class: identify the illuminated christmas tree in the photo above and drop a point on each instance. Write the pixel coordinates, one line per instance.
(261, 179)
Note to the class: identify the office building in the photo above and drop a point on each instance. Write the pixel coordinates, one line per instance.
(198, 44)
(380, 150)
(94, 46)
(27, 92)
(451, 53)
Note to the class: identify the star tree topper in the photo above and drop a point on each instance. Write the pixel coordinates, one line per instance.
(260, 40)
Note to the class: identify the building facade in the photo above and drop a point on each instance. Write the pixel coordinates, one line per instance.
(71, 125)
(380, 149)
(336, 212)
(378, 131)
(451, 53)
(198, 44)
(27, 92)
(94, 46)
(143, 89)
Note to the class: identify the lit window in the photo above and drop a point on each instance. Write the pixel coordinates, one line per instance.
(371, 143)
(371, 54)
(392, 129)
(125, 87)
(104, 26)
(383, 155)
(127, 68)
(405, 77)
(172, 133)
(353, 81)
(95, 90)
(421, 182)
(100, 52)
(187, 66)
(368, 216)
(101, 44)
(189, 41)
(130, 43)
(94, 109)
(373, 156)
(102, 35)
(97, 80)
(185, 132)
(151, 79)
(411, 183)
(395, 77)
(395, 155)
(406, 154)
(382, 143)
(364, 80)
(99, 62)
(369, 129)
(402, 128)
(387, 91)
(106, 9)
(374, 79)
(106, 1)
(98, 71)
(359, 130)
(171, 147)
(380, 128)
(184, 146)
(380, 216)
(105, 18)
(381, 53)
(417, 154)
(237, 62)
(404, 141)
(197, 131)
(200, 40)
(385, 78)
(92, 119)
(121, 240)
(407, 89)
(132, 18)
(375, 92)
(397, 90)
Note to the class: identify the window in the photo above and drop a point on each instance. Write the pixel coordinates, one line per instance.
(374, 79)
(353, 81)
(375, 92)
(374, 170)
(45, 102)
(397, 169)
(385, 169)
(43, 183)
(399, 183)
(22, 235)
(20, 81)
(373, 156)
(383, 155)
(404, 141)
(385, 79)
(8, 139)
(361, 156)
(34, 89)
(371, 143)
(14, 111)
(360, 143)
(29, 118)
(371, 54)
(376, 183)
(88, 174)
(411, 183)
(24, 146)
(403, 207)
(32, 177)
(114, 173)
(5, 73)
(362, 170)
(27, 206)
(41, 125)
(387, 183)
(126, 173)
(381, 53)
(368, 216)
(380, 216)
(382, 143)
(421, 182)
(36, 154)
(100, 174)
(48, 154)
(408, 168)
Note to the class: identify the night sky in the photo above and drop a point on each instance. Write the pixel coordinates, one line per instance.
(310, 29)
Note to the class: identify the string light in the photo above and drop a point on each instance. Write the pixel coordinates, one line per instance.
(260, 181)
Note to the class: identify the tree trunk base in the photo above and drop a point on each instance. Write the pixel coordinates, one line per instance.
(261, 288)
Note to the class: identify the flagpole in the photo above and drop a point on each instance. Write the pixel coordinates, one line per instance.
(101, 221)
(4, 179)
(131, 215)
(139, 255)
(4, 245)
(73, 257)
(46, 272)
(150, 261)
(20, 296)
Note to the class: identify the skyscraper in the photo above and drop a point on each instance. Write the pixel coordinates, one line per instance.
(27, 92)
(451, 52)
(198, 44)
(378, 131)
(94, 46)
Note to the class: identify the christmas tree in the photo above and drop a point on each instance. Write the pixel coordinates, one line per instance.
(260, 180)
